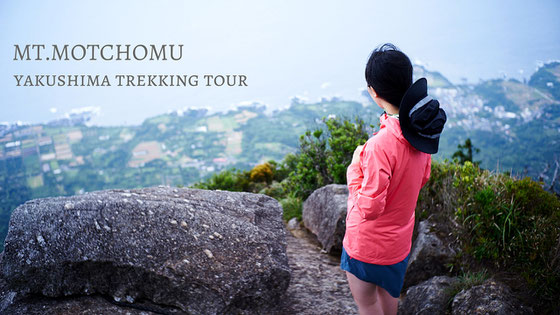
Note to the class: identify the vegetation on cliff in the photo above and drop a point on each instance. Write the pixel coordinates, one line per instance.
(509, 225)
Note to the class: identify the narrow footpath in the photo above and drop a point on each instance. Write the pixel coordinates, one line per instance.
(318, 285)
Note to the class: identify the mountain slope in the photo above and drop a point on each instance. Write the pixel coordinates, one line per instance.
(515, 125)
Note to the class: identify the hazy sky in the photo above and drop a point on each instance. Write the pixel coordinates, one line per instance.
(286, 48)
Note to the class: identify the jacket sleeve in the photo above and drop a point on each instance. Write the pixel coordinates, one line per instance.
(368, 185)
(427, 171)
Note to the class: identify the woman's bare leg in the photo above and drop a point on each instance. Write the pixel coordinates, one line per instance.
(388, 303)
(365, 294)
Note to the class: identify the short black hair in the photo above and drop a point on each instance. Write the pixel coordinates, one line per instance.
(389, 72)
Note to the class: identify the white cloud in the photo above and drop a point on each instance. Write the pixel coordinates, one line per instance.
(419, 63)
(299, 98)
(86, 109)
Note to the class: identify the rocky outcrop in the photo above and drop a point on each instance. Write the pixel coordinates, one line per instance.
(428, 257)
(491, 297)
(434, 296)
(293, 224)
(430, 297)
(324, 214)
(296, 229)
(180, 250)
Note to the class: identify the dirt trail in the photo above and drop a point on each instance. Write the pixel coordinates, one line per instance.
(318, 285)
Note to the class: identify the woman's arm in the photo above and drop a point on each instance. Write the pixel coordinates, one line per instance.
(354, 173)
(367, 185)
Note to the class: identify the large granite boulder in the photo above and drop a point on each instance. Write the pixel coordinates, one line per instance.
(183, 250)
(324, 214)
(430, 297)
(491, 297)
(429, 255)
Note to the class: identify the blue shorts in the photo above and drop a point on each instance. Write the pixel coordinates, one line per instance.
(389, 277)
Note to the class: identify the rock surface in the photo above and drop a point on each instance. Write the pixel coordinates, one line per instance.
(429, 297)
(186, 250)
(317, 286)
(491, 297)
(293, 224)
(85, 305)
(428, 257)
(324, 214)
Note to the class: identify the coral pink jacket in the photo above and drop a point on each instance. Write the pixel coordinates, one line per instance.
(383, 190)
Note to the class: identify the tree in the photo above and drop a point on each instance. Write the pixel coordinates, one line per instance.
(324, 155)
(464, 152)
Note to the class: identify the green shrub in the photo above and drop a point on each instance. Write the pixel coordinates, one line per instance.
(530, 196)
(292, 207)
(262, 173)
(513, 224)
(256, 180)
(324, 155)
(465, 281)
(232, 180)
(274, 190)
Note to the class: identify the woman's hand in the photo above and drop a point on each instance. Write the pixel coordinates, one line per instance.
(356, 156)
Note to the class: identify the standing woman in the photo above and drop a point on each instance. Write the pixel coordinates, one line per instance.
(384, 180)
